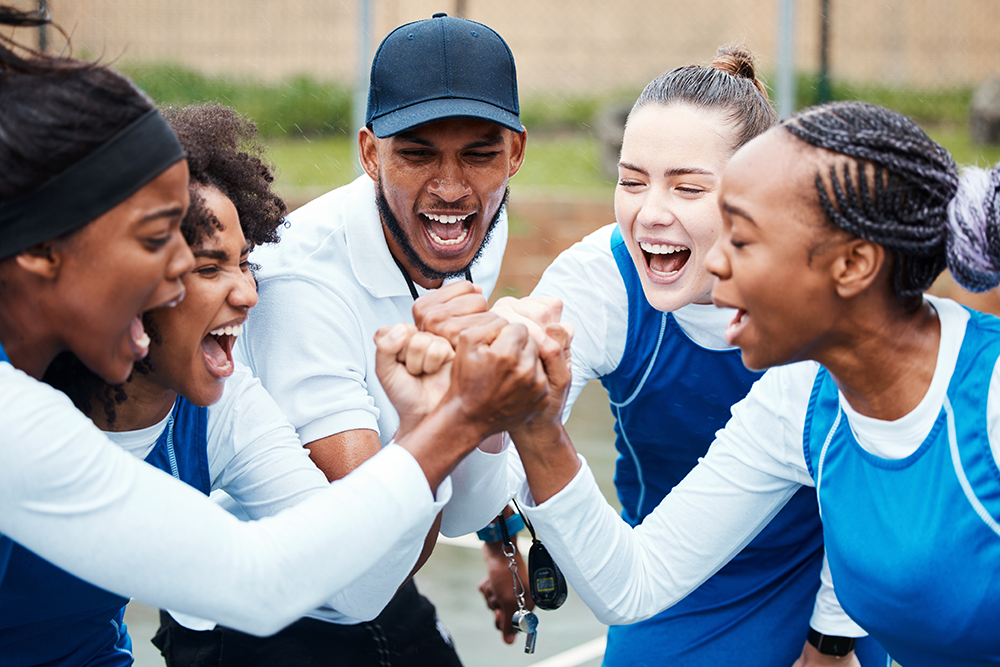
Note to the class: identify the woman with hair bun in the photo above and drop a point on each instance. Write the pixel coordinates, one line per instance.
(93, 188)
(639, 298)
(884, 399)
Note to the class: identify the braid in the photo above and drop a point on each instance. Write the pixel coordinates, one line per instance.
(895, 191)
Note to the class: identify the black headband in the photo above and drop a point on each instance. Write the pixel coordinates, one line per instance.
(91, 187)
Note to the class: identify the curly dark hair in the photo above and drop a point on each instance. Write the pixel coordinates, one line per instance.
(222, 152)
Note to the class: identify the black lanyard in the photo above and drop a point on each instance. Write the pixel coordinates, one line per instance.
(409, 281)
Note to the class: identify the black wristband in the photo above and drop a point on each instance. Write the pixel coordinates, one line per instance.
(831, 644)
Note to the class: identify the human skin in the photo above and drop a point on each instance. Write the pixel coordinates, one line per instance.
(666, 200)
(807, 290)
(86, 291)
(189, 360)
(452, 168)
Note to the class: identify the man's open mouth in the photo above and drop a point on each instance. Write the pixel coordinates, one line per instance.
(448, 230)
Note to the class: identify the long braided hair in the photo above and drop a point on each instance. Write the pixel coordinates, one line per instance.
(902, 190)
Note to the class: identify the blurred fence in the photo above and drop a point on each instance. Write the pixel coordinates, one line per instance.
(561, 46)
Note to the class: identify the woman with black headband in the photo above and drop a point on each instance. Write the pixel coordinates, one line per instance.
(93, 186)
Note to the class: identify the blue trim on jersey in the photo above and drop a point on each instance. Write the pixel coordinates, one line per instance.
(913, 543)
(669, 396)
(47, 615)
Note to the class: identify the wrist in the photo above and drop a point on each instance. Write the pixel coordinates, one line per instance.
(491, 533)
(549, 458)
(440, 440)
(835, 645)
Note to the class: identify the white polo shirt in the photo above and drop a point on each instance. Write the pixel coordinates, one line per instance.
(324, 290)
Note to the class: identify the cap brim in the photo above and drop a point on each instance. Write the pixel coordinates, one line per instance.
(442, 109)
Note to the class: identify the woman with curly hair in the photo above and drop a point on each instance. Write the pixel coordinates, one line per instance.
(884, 399)
(93, 188)
(192, 411)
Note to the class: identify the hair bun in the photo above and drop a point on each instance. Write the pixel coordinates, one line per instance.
(739, 61)
(974, 225)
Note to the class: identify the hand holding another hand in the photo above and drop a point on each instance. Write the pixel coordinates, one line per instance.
(414, 368)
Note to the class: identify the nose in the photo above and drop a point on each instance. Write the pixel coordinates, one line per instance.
(657, 209)
(181, 258)
(244, 292)
(716, 261)
(450, 183)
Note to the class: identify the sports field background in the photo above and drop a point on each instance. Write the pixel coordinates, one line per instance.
(569, 53)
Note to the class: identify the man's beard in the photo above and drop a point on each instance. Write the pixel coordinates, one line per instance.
(412, 258)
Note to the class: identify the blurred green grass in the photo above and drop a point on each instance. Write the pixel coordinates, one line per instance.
(305, 122)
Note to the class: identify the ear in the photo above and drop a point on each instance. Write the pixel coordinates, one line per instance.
(368, 152)
(43, 260)
(518, 143)
(859, 265)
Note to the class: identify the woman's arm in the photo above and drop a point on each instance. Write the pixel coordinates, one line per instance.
(76, 499)
(626, 575)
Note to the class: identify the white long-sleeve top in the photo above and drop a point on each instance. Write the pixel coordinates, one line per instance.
(76, 499)
(255, 457)
(754, 466)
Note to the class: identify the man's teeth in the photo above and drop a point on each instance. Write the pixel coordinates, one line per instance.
(658, 249)
(228, 331)
(143, 340)
(446, 219)
(454, 241)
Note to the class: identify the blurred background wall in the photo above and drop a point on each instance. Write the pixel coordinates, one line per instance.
(563, 46)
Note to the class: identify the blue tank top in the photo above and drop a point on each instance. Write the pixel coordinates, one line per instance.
(914, 543)
(669, 396)
(47, 615)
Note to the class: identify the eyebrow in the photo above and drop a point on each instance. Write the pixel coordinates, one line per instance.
(672, 171)
(174, 212)
(735, 210)
(486, 142)
(219, 255)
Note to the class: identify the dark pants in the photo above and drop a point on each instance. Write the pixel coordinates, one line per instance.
(405, 634)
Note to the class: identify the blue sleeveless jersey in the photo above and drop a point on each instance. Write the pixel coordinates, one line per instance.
(669, 396)
(47, 615)
(914, 543)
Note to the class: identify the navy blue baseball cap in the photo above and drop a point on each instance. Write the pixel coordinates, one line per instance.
(439, 68)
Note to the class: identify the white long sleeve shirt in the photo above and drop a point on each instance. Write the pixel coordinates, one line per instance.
(751, 470)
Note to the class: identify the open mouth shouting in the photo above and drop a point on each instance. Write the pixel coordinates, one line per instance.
(736, 326)
(448, 233)
(217, 349)
(664, 261)
(138, 337)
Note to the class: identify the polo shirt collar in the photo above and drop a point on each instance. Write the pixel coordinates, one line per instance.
(371, 261)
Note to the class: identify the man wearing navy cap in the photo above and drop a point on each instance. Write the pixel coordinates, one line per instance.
(442, 139)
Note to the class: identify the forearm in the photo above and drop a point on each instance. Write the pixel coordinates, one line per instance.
(626, 575)
(440, 441)
(549, 458)
(167, 545)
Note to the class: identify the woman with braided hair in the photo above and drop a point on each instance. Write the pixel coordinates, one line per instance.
(639, 298)
(886, 400)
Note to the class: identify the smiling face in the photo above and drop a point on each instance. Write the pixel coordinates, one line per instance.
(666, 201)
(195, 353)
(444, 184)
(125, 262)
(774, 258)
